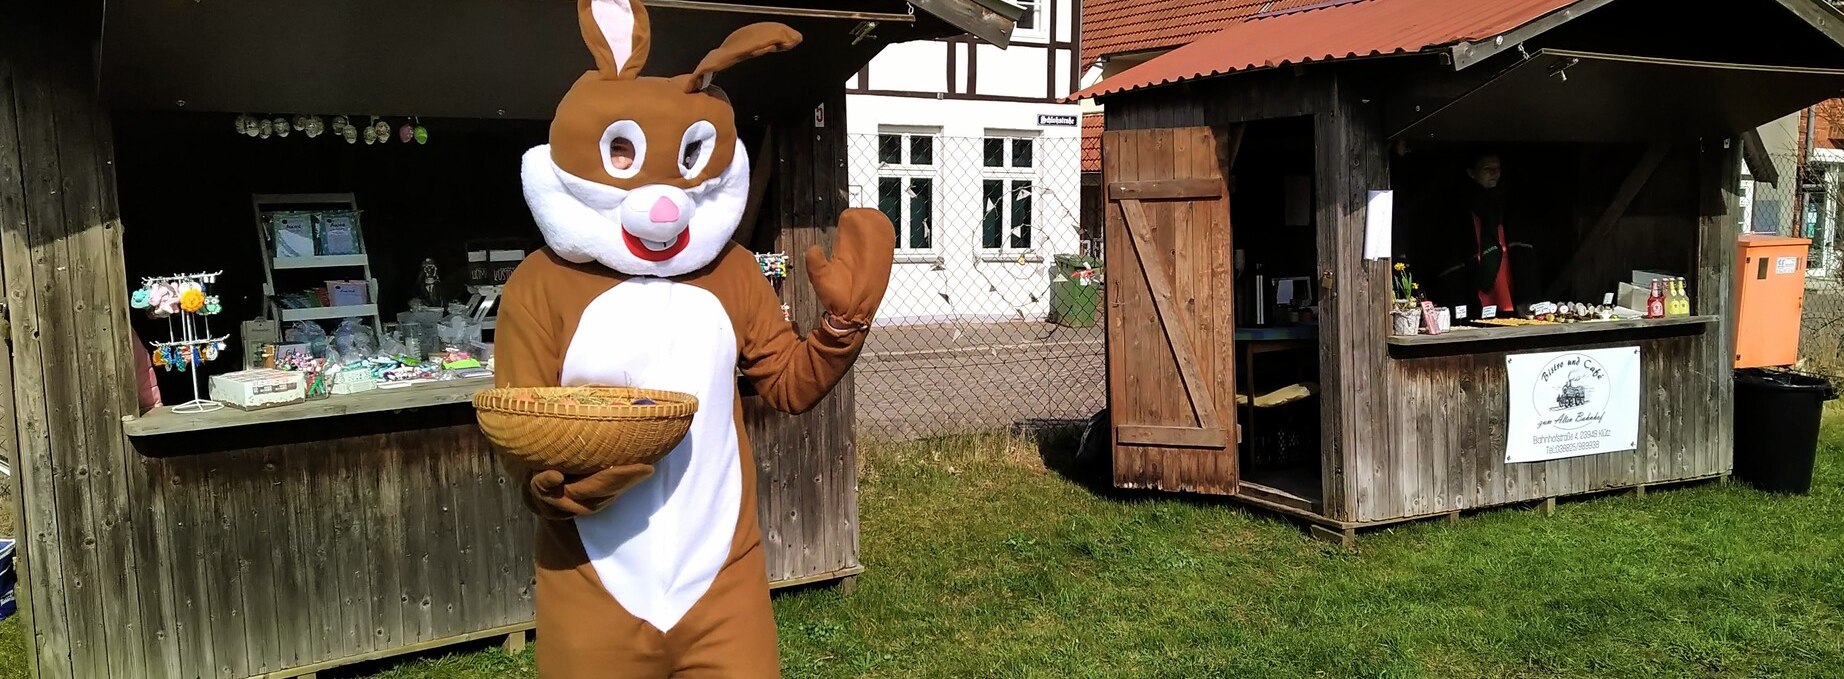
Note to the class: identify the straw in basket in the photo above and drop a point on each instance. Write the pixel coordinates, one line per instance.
(582, 430)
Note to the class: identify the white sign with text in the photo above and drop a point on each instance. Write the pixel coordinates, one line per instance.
(1572, 403)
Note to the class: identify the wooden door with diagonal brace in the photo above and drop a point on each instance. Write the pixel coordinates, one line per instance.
(1170, 316)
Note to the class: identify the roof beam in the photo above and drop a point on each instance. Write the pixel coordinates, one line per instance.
(1468, 53)
(701, 5)
(989, 20)
(1820, 15)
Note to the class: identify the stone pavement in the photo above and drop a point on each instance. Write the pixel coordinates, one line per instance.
(917, 381)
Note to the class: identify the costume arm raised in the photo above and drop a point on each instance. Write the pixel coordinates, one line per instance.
(791, 373)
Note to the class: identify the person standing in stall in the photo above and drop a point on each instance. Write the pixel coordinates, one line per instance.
(1483, 262)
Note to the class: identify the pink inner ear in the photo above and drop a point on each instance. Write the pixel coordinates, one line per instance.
(616, 19)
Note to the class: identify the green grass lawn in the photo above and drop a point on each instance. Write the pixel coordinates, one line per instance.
(979, 562)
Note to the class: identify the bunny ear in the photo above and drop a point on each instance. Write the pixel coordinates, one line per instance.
(617, 33)
(746, 43)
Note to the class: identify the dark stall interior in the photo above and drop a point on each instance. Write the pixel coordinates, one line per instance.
(1564, 200)
(186, 181)
(1273, 213)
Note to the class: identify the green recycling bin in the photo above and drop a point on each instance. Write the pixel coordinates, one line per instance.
(1075, 291)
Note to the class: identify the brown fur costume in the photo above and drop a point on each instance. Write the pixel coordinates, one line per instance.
(657, 571)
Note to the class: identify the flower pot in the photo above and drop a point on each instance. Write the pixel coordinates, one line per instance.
(1405, 321)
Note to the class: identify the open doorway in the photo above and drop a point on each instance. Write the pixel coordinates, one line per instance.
(1273, 220)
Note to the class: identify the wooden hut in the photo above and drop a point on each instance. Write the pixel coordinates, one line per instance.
(1310, 147)
(284, 542)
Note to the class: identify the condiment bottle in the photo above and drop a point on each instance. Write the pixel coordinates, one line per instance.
(1655, 303)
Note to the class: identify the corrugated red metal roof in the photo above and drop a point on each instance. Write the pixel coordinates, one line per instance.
(1353, 29)
(1111, 27)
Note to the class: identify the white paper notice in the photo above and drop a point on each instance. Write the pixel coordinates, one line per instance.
(1377, 224)
(1570, 403)
(1283, 293)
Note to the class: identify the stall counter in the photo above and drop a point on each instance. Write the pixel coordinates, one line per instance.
(164, 421)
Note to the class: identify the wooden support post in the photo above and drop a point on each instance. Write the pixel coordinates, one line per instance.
(514, 643)
(1453, 517)
(1639, 490)
(1548, 508)
(1344, 538)
(848, 584)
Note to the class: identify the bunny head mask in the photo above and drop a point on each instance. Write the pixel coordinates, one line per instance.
(644, 175)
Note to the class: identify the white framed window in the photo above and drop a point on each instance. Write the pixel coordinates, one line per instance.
(1008, 186)
(906, 184)
(1031, 25)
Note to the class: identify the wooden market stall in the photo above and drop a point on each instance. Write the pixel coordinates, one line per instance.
(288, 541)
(1310, 149)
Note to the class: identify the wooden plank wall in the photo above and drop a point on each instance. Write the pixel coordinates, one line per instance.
(1447, 449)
(297, 543)
(1718, 203)
(807, 465)
(1192, 237)
(1279, 93)
(234, 554)
(1354, 424)
(59, 240)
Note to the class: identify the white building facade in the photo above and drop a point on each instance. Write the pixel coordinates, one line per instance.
(967, 149)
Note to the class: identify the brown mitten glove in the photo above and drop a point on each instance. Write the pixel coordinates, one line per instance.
(559, 497)
(852, 283)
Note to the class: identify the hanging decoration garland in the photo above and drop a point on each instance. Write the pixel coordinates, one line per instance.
(375, 131)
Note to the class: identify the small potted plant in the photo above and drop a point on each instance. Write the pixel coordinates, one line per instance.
(1405, 318)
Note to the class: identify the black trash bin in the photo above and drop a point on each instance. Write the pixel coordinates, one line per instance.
(1777, 415)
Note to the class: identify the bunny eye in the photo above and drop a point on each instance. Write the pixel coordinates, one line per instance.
(695, 149)
(624, 149)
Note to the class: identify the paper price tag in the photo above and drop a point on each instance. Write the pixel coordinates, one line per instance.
(1607, 299)
(1488, 311)
(1541, 308)
(1459, 313)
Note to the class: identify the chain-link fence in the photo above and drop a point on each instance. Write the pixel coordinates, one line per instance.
(993, 315)
(1807, 201)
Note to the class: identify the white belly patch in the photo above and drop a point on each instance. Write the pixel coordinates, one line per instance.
(659, 545)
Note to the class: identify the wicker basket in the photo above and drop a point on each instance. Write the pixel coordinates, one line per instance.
(581, 430)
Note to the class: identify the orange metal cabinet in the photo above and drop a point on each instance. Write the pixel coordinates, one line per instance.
(1770, 292)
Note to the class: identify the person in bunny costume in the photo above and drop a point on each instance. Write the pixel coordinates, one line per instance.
(658, 571)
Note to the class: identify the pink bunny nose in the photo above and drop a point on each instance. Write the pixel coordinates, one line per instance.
(664, 211)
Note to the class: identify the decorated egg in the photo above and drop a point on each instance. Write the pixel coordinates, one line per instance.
(406, 133)
(422, 135)
(314, 126)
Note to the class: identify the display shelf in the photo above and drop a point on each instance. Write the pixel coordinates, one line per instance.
(322, 262)
(262, 203)
(325, 313)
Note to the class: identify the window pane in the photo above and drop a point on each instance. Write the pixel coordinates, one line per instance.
(890, 201)
(1028, 20)
(921, 150)
(995, 153)
(890, 149)
(921, 212)
(1021, 153)
(1021, 214)
(993, 222)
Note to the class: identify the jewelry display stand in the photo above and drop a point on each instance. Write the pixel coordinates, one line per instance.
(189, 341)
